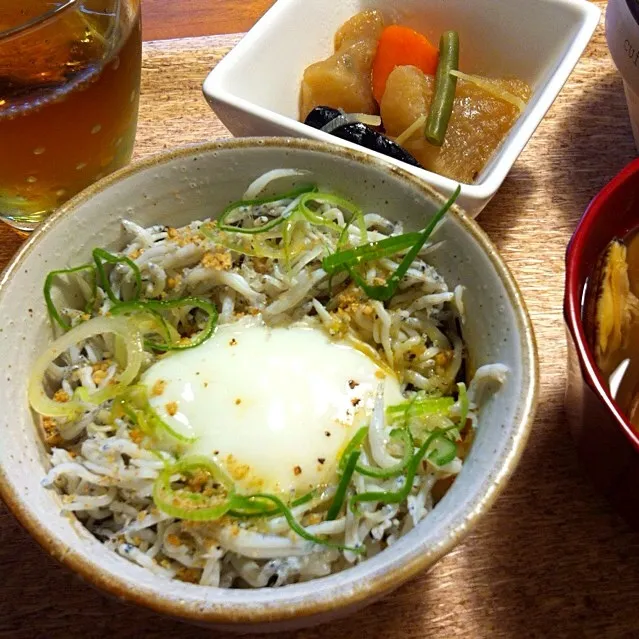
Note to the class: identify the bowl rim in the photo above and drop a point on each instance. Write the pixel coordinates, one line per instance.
(503, 159)
(633, 7)
(573, 298)
(239, 613)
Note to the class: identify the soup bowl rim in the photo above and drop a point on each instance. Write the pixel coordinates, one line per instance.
(574, 290)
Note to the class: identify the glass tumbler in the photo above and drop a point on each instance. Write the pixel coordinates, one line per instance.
(69, 90)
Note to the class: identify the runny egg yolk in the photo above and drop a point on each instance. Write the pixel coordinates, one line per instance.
(275, 407)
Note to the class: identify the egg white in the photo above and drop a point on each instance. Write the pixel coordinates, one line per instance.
(273, 406)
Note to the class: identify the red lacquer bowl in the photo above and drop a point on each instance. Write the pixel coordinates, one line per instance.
(607, 442)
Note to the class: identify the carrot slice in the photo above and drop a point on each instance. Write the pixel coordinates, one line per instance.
(399, 46)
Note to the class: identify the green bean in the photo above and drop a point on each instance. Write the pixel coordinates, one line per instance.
(445, 85)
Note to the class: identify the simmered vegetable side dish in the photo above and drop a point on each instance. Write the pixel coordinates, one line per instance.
(611, 321)
(344, 80)
(388, 88)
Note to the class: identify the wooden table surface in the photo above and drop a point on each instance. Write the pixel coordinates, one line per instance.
(184, 18)
(551, 559)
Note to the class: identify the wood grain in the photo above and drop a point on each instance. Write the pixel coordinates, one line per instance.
(551, 559)
(183, 18)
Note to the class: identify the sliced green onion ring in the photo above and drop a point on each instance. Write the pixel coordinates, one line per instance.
(464, 405)
(395, 497)
(122, 407)
(326, 198)
(443, 451)
(243, 244)
(295, 526)
(136, 400)
(287, 235)
(48, 285)
(342, 487)
(342, 260)
(385, 291)
(123, 329)
(151, 322)
(102, 257)
(188, 504)
(155, 306)
(404, 436)
(356, 218)
(419, 407)
(291, 195)
(355, 442)
(257, 509)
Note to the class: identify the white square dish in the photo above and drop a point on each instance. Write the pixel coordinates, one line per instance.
(254, 90)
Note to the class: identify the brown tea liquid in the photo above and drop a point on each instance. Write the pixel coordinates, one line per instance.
(68, 102)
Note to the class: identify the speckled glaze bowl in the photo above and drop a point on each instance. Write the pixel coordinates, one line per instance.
(197, 182)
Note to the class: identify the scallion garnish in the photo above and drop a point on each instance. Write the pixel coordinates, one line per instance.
(342, 487)
(294, 525)
(222, 219)
(464, 405)
(397, 469)
(347, 258)
(385, 291)
(443, 451)
(353, 444)
(420, 407)
(257, 509)
(395, 497)
(327, 198)
(182, 502)
(102, 257)
(287, 235)
(48, 285)
(157, 306)
(134, 403)
(356, 218)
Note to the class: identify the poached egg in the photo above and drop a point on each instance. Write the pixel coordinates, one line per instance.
(274, 407)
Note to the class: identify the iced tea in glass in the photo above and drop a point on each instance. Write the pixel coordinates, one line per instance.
(69, 88)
